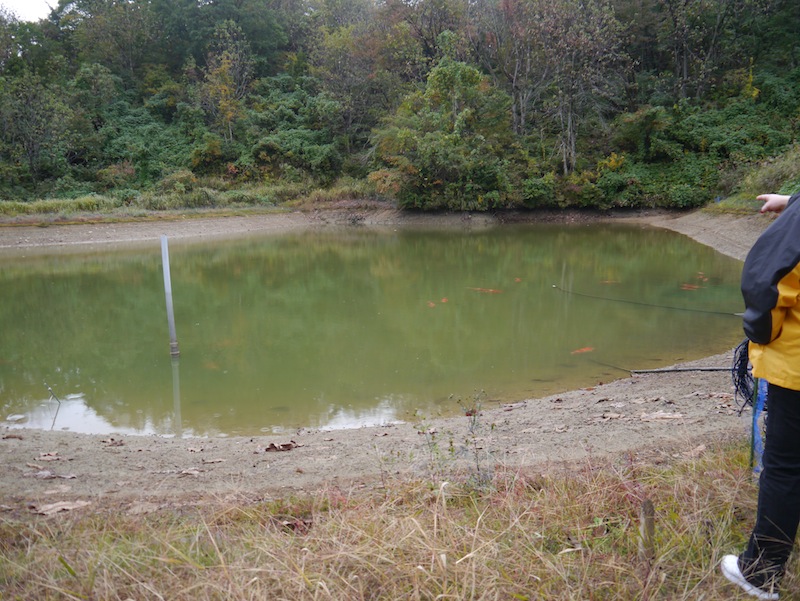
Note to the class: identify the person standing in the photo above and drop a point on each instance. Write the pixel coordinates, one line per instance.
(771, 292)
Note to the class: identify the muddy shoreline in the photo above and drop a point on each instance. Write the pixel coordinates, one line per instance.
(650, 417)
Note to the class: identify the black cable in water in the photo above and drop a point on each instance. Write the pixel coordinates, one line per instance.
(641, 304)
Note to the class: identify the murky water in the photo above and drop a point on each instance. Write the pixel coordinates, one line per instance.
(340, 328)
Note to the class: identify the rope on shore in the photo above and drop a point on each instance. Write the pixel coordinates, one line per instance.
(666, 370)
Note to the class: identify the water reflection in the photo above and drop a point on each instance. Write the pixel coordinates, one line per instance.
(342, 328)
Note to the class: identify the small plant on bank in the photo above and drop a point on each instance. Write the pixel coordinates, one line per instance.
(481, 475)
(439, 459)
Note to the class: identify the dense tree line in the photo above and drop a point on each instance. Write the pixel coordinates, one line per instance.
(458, 104)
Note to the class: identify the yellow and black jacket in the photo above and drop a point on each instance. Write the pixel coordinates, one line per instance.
(771, 291)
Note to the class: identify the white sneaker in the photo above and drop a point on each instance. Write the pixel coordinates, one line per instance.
(730, 569)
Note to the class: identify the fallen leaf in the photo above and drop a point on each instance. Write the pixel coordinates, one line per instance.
(660, 415)
(53, 508)
(49, 456)
(48, 475)
(695, 452)
(212, 461)
(9, 436)
(192, 471)
(284, 446)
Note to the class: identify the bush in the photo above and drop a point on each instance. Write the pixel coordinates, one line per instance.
(683, 196)
(180, 181)
(540, 192)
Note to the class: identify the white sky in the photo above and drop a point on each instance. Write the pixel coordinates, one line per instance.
(29, 10)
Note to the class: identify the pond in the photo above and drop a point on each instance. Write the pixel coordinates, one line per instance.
(337, 328)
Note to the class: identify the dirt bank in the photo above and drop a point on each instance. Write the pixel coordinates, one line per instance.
(652, 416)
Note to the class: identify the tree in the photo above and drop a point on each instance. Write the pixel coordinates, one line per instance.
(581, 44)
(345, 61)
(7, 44)
(560, 60)
(450, 146)
(697, 32)
(227, 77)
(35, 123)
(116, 33)
(504, 35)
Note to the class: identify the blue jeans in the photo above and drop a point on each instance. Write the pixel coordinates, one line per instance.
(772, 539)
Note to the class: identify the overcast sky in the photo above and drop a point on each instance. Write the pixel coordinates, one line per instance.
(29, 10)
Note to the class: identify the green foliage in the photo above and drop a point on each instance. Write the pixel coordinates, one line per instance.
(539, 192)
(213, 154)
(448, 147)
(428, 102)
(134, 135)
(35, 130)
(294, 124)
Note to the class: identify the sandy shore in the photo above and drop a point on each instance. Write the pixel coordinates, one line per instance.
(648, 417)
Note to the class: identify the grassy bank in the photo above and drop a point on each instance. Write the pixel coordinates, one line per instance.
(185, 195)
(551, 535)
(780, 175)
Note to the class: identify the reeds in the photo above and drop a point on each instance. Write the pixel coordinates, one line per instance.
(548, 534)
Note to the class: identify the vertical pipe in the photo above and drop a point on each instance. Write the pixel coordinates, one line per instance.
(176, 398)
(173, 336)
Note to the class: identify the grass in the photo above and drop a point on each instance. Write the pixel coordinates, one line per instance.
(184, 193)
(570, 535)
(780, 175)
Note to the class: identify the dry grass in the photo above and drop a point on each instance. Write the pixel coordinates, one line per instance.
(778, 174)
(559, 535)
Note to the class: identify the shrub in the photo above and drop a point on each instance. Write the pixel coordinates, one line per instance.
(182, 180)
(539, 192)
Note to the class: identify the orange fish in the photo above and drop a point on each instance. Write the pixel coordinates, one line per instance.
(609, 281)
(690, 287)
(444, 300)
(585, 349)
(486, 290)
(431, 304)
(517, 280)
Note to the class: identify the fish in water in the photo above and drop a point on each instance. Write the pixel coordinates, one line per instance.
(487, 290)
(585, 349)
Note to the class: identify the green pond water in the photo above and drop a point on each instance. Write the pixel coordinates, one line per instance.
(337, 328)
